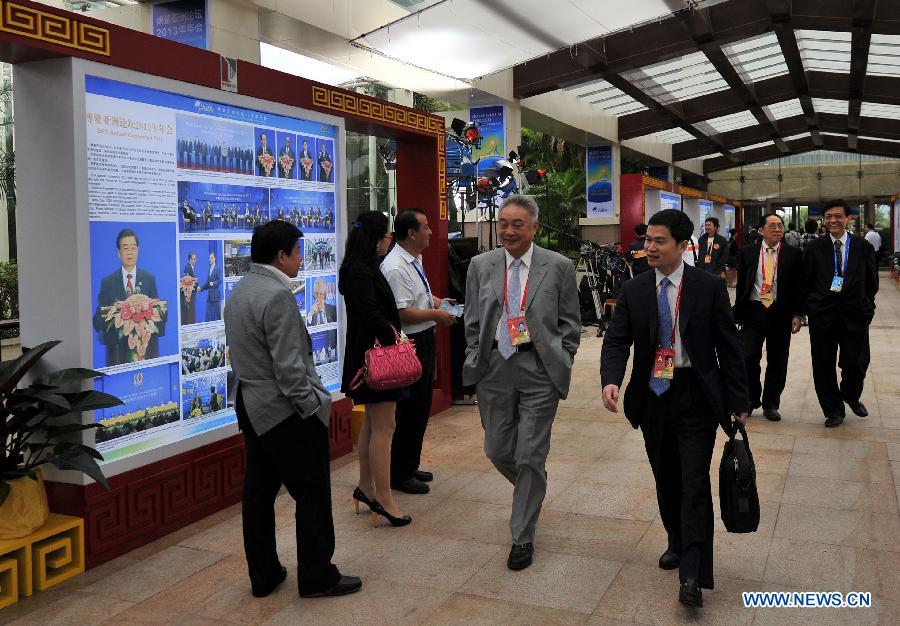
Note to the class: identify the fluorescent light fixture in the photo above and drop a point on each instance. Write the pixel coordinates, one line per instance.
(297, 64)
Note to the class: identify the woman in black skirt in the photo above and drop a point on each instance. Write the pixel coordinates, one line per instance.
(371, 312)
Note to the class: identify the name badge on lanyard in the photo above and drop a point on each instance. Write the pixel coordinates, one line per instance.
(664, 359)
(516, 326)
(837, 283)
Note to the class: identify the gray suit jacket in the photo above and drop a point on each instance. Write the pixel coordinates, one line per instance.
(271, 353)
(551, 310)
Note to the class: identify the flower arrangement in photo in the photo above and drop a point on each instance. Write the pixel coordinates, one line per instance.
(287, 162)
(306, 163)
(136, 318)
(326, 167)
(188, 285)
(267, 161)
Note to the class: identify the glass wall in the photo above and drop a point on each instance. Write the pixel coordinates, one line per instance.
(369, 186)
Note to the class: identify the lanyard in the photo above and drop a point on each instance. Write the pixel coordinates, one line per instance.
(846, 258)
(506, 294)
(762, 261)
(677, 309)
(422, 276)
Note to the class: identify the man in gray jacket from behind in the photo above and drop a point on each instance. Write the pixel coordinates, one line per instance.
(283, 410)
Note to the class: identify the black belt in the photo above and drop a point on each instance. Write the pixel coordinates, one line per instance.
(522, 347)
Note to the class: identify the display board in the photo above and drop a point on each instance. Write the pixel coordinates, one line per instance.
(669, 201)
(176, 185)
(599, 169)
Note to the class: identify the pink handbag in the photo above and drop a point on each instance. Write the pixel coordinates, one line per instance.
(389, 367)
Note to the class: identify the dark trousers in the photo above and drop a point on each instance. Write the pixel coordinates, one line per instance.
(294, 454)
(825, 340)
(412, 413)
(773, 327)
(679, 434)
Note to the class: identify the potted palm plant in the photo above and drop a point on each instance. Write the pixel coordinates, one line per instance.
(41, 424)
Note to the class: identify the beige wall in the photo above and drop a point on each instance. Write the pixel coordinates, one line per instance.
(880, 178)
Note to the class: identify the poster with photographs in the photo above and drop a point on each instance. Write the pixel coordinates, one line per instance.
(170, 240)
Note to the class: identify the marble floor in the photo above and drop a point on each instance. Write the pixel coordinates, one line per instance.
(830, 522)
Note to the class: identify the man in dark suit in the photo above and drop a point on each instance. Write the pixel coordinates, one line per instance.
(712, 253)
(126, 281)
(213, 293)
(769, 308)
(305, 154)
(840, 282)
(188, 214)
(287, 151)
(677, 312)
(208, 218)
(188, 308)
(324, 157)
(215, 400)
(260, 151)
(636, 253)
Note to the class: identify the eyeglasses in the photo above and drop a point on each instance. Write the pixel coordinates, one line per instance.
(833, 218)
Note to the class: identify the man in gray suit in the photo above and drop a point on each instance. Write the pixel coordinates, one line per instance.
(283, 410)
(523, 327)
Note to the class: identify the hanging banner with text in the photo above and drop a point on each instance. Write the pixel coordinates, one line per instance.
(599, 182)
(183, 21)
(492, 125)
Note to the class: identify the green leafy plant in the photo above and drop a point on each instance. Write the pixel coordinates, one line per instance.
(40, 423)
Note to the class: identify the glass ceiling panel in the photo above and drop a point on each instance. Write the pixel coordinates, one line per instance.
(741, 119)
(686, 77)
(672, 135)
(826, 51)
(757, 58)
(782, 110)
(884, 55)
(754, 146)
(609, 98)
(874, 109)
(879, 139)
(800, 136)
(823, 105)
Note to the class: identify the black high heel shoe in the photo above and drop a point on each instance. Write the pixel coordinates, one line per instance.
(359, 496)
(377, 510)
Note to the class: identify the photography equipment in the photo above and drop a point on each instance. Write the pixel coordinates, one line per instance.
(603, 271)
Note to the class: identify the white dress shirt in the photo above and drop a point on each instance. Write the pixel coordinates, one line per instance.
(406, 276)
(523, 282)
(875, 239)
(681, 357)
(691, 252)
(134, 285)
(758, 283)
(284, 278)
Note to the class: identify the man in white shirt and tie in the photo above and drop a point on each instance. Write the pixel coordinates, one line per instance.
(420, 310)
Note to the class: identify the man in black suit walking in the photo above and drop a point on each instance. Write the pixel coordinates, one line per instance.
(127, 280)
(840, 283)
(681, 315)
(712, 248)
(769, 309)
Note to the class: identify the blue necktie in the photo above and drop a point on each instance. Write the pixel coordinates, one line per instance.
(660, 385)
(513, 302)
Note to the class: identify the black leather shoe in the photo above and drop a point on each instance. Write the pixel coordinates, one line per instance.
(346, 585)
(669, 560)
(262, 593)
(520, 556)
(772, 415)
(425, 477)
(858, 409)
(690, 594)
(411, 485)
(833, 421)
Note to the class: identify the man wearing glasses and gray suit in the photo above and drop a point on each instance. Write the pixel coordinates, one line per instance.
(523, 328)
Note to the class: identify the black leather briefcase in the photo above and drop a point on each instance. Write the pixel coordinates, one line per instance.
(738, 497)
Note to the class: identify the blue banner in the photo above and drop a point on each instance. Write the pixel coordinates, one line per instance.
(492, 126)
(145, 95)
(599, 169)
(183, 21)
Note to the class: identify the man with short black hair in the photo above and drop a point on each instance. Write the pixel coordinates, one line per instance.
(809, 235)
(712, 253)
(840, 283)
(420, 310)
(688, 316)
(284, 411)
(636, 253)
(768, 306)
(791, 236)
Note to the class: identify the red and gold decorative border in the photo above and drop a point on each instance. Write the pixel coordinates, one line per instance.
(388, 113)
(649, 181)
(56, 29)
